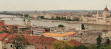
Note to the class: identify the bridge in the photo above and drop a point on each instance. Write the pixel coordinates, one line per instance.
(10, 17)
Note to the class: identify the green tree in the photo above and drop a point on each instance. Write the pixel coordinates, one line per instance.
(82, 26)
(107, 41)
(99, 39)
(47, 29)
(42, 17)
(20, 42)
(92, 46)
(6, 31)
(80, 47)
(76, 19)
(58, 18)
(105, 47)
(68, 19)
(60, 25)
(26, 15)
(61, 45)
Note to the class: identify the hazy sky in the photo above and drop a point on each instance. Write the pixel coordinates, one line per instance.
(53, 4)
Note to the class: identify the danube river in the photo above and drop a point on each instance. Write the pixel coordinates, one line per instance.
(18, 21)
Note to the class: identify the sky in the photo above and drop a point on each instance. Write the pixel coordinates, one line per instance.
(19, 5)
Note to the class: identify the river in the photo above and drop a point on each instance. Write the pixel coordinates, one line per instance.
(18, 21)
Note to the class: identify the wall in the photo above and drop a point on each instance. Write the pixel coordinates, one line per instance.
(0, 44)
(9, 46)
(40, 46)
(30, 47)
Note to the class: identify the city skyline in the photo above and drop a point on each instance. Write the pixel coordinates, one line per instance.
(19, 5)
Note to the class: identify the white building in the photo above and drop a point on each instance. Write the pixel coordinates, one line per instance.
(99, 17)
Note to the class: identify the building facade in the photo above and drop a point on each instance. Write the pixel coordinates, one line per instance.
(100, 17)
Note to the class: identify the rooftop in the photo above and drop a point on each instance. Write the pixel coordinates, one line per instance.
(75, 43)
(58, 35)
(45, 40)
(3, 35)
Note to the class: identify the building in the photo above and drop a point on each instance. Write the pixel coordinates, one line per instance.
(107, 35)
(62, 36)
(2, 22)
(6, 42)
(46, 43)
(100, 17)
(22, 29)
(36, 42)
(26, 22)
(2, 37)
(8, 28)
(38, 30)
(26, 26)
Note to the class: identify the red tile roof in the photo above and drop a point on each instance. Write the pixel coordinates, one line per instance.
(9, 37)
(32, 39)
(45, 40)
(3, 35)
(75, 43)
(1, 23)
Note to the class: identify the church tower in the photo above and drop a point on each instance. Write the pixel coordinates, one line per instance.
(23, 22)
(28, 21)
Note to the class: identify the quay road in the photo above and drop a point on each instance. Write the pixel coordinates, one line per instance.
(77, 22)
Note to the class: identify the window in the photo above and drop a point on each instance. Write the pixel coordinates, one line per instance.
(11, 45)
(5, 47)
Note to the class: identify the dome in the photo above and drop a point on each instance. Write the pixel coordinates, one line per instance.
(106, 9)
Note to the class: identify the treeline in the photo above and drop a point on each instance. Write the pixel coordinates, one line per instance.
(9, 13)
(59, 18)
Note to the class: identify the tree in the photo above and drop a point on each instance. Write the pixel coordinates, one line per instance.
(76, 19)
(60, 25)
(80, 47)
(42, 17)
(58, 18)
(68, 19)
(61, 45)
(105, 47)
(92, 46)
(99, 39)
(107, 41)
(47, 29)
(26, 15)
(82, 26)
(19, 42)
(6, 31)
